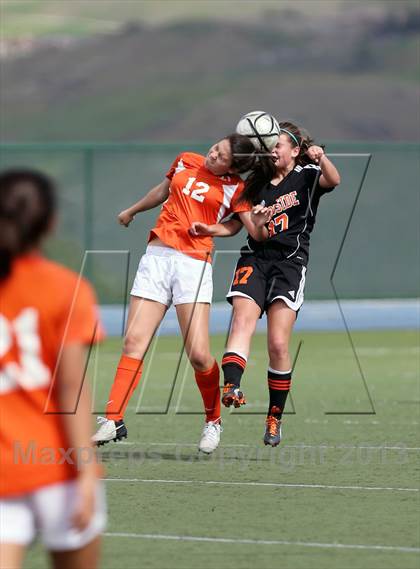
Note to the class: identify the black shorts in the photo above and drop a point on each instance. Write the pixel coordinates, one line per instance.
(266, 280)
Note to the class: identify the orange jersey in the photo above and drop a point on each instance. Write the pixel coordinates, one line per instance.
(195, 195)
(43, 306)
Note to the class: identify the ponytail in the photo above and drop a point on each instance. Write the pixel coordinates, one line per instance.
(9, 245)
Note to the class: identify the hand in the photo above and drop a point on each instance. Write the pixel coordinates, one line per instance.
(198, 228)
(315, 153)
(125, 217)
(260, 215)
(84, 500)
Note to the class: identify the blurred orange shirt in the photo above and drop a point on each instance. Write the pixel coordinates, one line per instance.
(196, 195)
(43, 307)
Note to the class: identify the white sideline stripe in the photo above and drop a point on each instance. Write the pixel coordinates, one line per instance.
(297, 445)
(269, 484)
(264, 542)
(313, 421)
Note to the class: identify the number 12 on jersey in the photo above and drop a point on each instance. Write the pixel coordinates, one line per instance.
(197, 193)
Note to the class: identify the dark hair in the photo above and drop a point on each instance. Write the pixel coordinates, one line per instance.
(243, 152)
(264, 170)
(298, 137)
(27, 206)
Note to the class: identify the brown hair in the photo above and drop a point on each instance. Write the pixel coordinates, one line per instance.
(264, 170)
(27, 206)
(243, 152)
(298, 137)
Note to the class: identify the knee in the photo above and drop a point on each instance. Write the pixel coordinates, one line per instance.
(134, 345)
(243, 323)
(201, 360)
(278, 348)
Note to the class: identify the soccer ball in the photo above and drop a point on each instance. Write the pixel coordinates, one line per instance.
(261, 128)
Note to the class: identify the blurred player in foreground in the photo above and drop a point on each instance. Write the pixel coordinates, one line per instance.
(49, 483)
(176, 268)
(270, 274)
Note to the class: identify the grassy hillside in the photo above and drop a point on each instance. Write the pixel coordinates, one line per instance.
(41, 18)
(192, 80)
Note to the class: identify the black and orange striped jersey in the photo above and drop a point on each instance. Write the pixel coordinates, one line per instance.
(293, 204)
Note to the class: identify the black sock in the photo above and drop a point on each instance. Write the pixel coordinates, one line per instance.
(278, 387)
(233, 365)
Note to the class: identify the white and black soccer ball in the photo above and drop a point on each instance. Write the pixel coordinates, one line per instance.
(261, 127)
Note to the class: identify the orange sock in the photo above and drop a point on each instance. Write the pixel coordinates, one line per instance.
(208, 384)
(126, 380)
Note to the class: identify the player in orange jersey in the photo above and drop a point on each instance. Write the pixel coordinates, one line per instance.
(177, 269)
(49, 476)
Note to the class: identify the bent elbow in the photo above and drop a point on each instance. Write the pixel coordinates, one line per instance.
(333, 181)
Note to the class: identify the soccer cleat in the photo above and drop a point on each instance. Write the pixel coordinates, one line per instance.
(272, 435)
(109, 431)
(232, 396)
(210, 437)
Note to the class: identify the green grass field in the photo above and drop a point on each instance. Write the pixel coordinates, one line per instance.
(340, 492)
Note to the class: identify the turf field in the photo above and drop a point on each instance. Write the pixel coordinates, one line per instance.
(342, 491)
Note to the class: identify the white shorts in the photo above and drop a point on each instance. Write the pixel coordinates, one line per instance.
(48, 512)
(168, 276)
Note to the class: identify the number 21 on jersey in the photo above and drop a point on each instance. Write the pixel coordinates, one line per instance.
(198, 192)
(29, 372)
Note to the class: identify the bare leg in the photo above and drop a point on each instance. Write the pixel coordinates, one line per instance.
(193, 320)
(144, 317)
(279, 375)
(245, 316)
(11, 555)
(280, 320)
(85, 558)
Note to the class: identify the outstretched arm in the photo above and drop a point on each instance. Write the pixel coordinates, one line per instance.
(153, 198)
(254, 222)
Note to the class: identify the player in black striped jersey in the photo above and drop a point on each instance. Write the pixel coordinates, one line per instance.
(270, 274)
